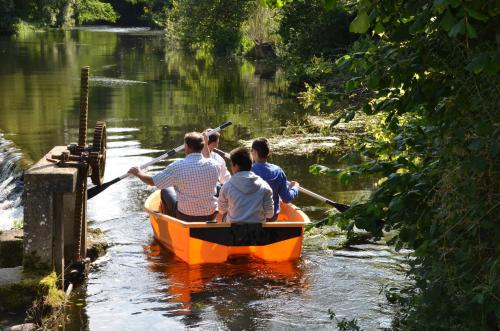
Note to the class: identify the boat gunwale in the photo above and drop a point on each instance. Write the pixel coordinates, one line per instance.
(276, 224)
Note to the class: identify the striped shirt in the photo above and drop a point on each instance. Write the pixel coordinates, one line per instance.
(224, 173)
(194, 179)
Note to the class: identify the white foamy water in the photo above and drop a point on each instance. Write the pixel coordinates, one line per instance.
(106, 81)
(11, 186)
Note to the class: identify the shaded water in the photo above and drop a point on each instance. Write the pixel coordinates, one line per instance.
(150, 96)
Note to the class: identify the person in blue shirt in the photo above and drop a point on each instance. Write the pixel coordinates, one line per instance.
(273, 175)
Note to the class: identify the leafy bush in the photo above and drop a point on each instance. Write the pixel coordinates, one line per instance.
(52, 13)
(432, 70)
(309, 29)
(94, 10)
(216, 23)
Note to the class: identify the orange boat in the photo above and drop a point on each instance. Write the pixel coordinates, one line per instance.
(201, 242)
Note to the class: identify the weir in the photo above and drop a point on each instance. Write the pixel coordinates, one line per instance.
(11, 184)
(55, 225)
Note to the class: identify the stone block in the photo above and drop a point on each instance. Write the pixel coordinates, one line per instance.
(11, 248)
(46, 185)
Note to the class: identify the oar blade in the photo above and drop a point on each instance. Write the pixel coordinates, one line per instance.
(92, 192)
(339, 206)
(225, 125)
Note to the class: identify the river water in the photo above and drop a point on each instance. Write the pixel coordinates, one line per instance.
(149, 96)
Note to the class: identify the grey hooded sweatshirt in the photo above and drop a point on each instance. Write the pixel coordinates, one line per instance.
(246, 198)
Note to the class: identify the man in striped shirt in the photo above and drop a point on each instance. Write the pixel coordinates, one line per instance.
(212, 142)
(188, 185)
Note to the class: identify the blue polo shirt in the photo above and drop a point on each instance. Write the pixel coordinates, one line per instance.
(276, 178)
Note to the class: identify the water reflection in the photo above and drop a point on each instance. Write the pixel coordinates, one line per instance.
(236, 291)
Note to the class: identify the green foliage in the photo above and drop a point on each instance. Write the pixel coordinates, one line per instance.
(344, 324)
(309, 29)
(152, 13)
(52, 13)
(94, 10)
(216, 23)
(18, 224)
(431, 70)
(8, 16)
(261, 26)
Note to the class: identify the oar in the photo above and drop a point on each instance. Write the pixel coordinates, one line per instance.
(98, 189)
(339, 206)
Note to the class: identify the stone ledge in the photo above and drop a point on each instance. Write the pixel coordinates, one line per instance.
(11, 248)
(45, 174)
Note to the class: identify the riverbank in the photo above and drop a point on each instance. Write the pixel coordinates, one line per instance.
(33, 295)
(313, 134)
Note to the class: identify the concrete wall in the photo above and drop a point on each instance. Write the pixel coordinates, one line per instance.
(49, 214)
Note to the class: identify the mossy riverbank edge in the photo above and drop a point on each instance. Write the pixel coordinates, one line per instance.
(34, 294)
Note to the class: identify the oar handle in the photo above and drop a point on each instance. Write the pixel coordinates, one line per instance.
(176, 150)
(222, 153)
(92, 192)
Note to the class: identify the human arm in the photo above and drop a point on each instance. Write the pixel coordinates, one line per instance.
(268, 203)
(205, 151)
(287, 190)
(168, 176)
(224, 175)
(139, 173)
(223, 201)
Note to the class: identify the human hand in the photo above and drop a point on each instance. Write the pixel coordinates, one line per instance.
(205, 136)
(134, 171)
(293, 183)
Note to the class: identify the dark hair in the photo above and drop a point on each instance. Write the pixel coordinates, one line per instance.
(261, 146)
(195, 141)
(241, 157)
(214, 137)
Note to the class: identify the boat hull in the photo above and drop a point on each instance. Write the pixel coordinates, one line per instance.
(200, 242)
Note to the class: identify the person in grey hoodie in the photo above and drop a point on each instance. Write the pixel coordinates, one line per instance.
(245, 197)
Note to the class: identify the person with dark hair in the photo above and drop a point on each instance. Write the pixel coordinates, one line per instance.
(212, 142)
(273, 175)
(245, 197)
(187, 185)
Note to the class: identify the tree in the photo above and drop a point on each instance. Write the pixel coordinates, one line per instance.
(431, 69)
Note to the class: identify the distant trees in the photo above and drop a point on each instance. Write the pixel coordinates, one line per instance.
(53, 13)
(208, 23)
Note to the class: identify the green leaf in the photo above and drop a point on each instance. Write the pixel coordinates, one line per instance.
(477, 64)
(471, 32)
(329, 4)
(422, 249)
(487, 62)
(360, 24)
(395, 205)
(478, 16)
(458, 28)
(351, 84)
(479, 298)
(345, 177)
(373, 81)
(379, 28)
(447, 21)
